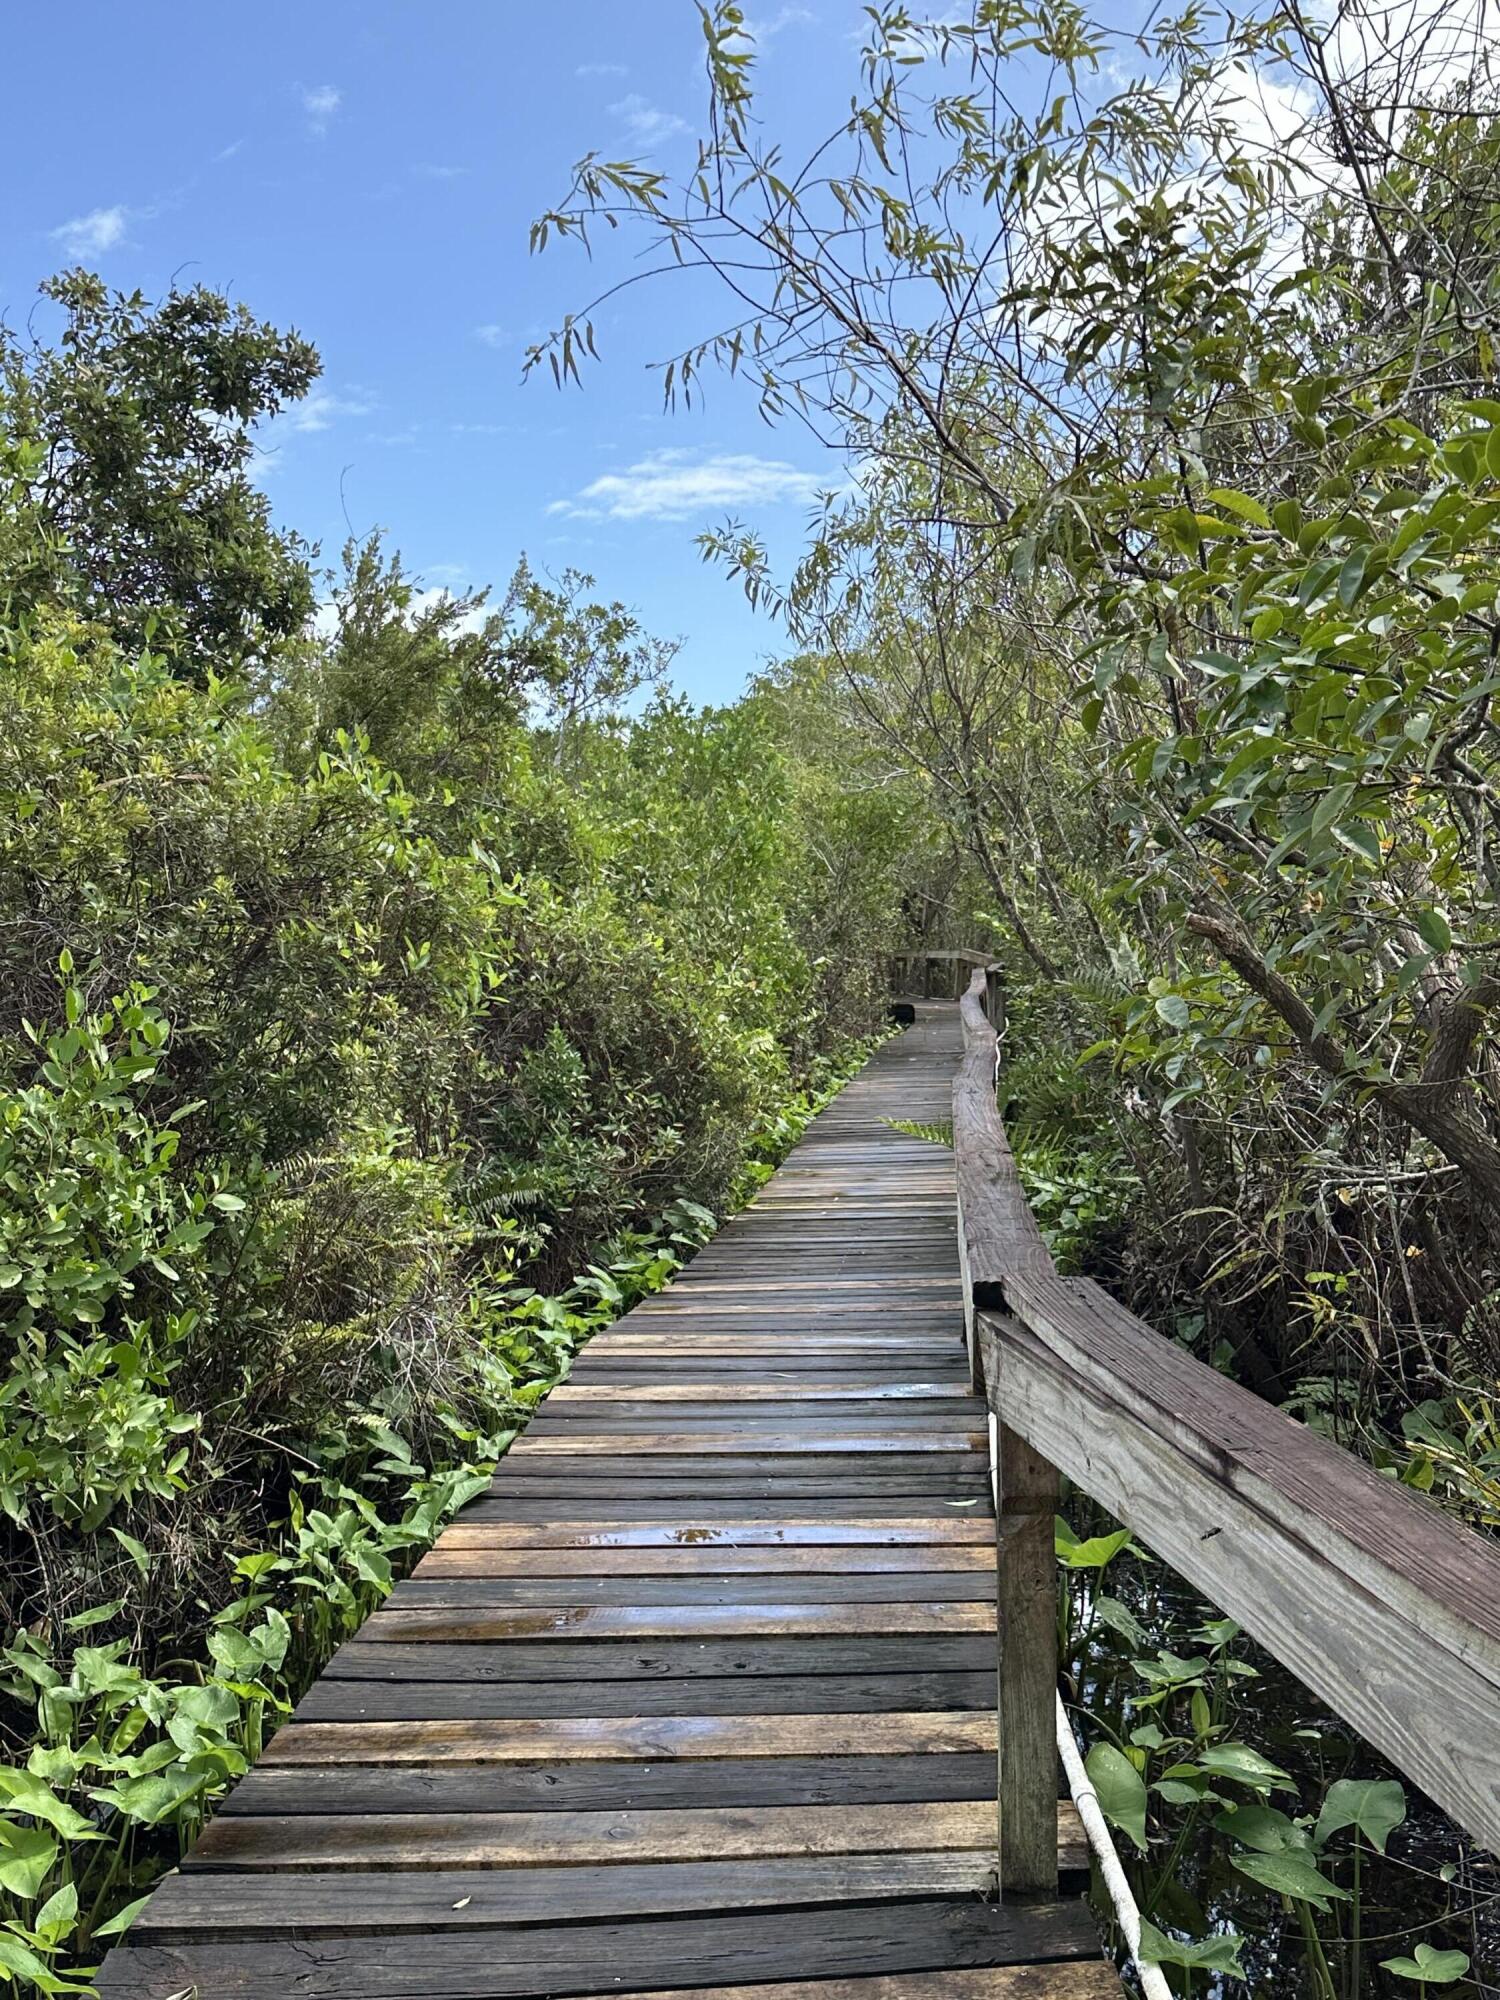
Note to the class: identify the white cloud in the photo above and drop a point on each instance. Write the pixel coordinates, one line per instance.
(675, 486)
(320, 102)
(647, 122)
(319, 411)
(92, 234)
(762, 28)
(493, 334)
(601, 69)
(428, 171)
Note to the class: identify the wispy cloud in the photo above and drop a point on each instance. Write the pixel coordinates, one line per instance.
(494, 334)
(601, 69)
(92, 234)
(761, 28)
(429, 171)
(675, 486)
(321, 410)
(320, 101)
(647, 122)
(228, 152)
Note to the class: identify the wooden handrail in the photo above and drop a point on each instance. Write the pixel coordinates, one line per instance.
(1379, 1602)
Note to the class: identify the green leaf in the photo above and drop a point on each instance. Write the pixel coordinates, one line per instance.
(1240, 504)
(123, 1919)
(18, 1960)
(1291, 1874)
(1263, 1828)
(1121, 1790)
(1435, 1968)
(1434, 929)
(1173, 1009)
(25, 1792)
(1216, 1954)
(1352, 576)
(1095, 1553)
(1245, 1766)
(1376, 1806)
(26, 1857)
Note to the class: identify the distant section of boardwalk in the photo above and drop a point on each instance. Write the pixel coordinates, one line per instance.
(702, 1695)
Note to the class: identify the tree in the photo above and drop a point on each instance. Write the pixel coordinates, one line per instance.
(140, 425)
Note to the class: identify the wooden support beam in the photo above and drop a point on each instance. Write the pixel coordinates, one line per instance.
(1027, 1494)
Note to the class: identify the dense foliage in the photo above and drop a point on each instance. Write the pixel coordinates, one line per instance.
(1165, 363)
(381, 1010)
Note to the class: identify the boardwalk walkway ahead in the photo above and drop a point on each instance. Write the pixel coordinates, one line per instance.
(702, 1696)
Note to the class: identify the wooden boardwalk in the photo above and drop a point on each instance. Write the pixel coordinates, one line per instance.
(702, 1695)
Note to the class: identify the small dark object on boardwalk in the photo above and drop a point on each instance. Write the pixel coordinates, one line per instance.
(902, 1013)
(700, 1698)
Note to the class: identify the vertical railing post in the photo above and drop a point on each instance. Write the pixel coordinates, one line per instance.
(1026, 1501)
(994, 998)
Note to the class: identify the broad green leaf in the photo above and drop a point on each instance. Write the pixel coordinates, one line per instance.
(1434, 930)
(1435, 1968)
(27, 1854)
(1121, 1790)
(1245, 1766)
(1214, 1954)
(1173, 1009)
(1291, 1874)
(1094, 1553)
(1375, 1806)
(1263, 1828)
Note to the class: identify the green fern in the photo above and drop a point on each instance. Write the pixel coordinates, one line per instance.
(938, 1135)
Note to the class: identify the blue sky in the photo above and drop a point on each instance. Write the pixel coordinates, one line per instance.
(368, 174)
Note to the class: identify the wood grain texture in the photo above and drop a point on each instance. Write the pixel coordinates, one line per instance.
(725, 1947)
(1265, 1519)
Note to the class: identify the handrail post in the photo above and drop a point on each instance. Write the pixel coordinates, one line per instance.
(998, 1240)
(1026, 1496)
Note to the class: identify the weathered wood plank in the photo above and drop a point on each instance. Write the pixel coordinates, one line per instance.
(739, 1531)
(596, 1738)
(336, 1699)
(575, 1785)
(429, 1592)
(841, 1941)
(456, 1626)
(1262, 1516)
(662, 1564)
(669, 1659)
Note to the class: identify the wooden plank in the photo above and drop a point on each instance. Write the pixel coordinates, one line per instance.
(342, 1699)
(668, 1659)
(426, 1591)
(810, 1440)
(1010, 1982)
(1263, 1517)
(703, 1516)
(599, 1738)
(840, 1941)
(449, 1558)
(578, 1786)
(514, 1840)
(684, 1389)
(571, 1623)
(431, 1901)
(740, 1531)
